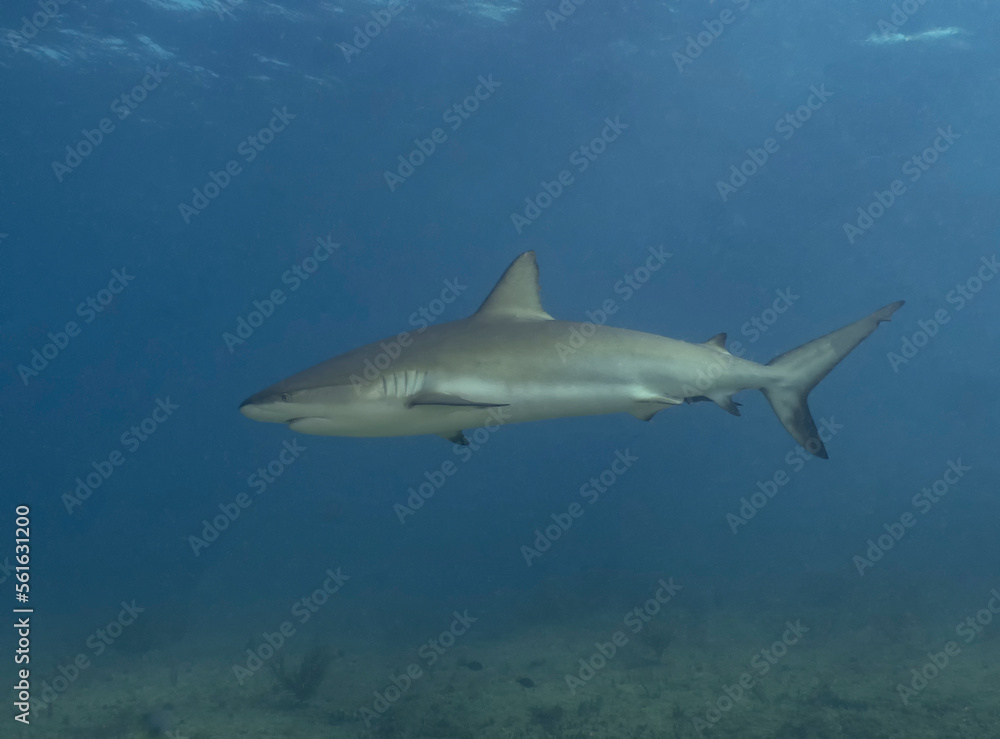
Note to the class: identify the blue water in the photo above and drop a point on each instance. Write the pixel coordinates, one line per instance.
(181, 165)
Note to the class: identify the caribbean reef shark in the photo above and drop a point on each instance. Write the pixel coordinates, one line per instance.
(511, 362)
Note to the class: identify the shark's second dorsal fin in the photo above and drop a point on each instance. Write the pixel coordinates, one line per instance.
(516, 295)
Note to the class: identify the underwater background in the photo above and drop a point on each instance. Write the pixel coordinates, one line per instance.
(201, 198)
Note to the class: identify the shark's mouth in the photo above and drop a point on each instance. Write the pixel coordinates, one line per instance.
(315, 425)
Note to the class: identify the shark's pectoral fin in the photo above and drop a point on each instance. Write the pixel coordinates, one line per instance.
(455, 437)
(435, 398)
(648, 406)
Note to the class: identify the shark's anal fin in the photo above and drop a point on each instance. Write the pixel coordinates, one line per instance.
(430, 397)
(726, 403)
(455, 437)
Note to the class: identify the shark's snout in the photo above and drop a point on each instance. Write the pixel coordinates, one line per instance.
(256, 411)
(273, 407)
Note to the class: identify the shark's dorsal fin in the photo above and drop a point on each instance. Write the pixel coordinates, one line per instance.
(516, 295)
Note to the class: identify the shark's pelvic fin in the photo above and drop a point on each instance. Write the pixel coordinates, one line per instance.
(800, 370)
(649, 406)
(455, 437)
(428, 397)
(725, 402)
(646, 413)
(516, 296)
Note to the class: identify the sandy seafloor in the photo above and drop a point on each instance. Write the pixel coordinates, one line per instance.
(837, 680)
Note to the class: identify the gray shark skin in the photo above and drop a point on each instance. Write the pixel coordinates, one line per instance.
(512, 362)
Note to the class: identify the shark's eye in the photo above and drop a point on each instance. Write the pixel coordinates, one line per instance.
(286, 398)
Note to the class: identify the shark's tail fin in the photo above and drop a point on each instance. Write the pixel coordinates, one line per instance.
(797, 372)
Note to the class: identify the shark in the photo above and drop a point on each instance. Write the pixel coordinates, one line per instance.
(511, 362)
